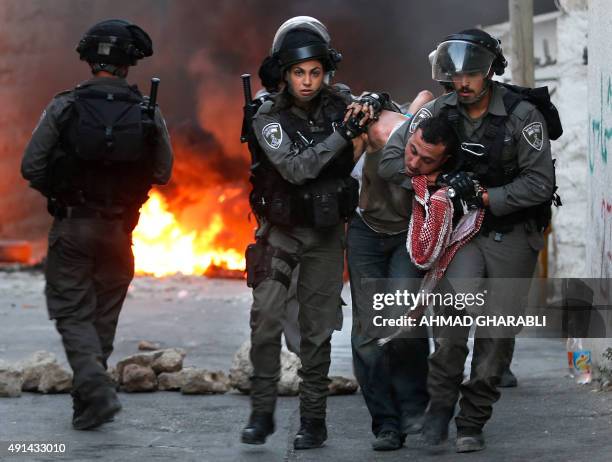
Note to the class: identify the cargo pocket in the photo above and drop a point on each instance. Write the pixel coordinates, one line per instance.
(52, 274)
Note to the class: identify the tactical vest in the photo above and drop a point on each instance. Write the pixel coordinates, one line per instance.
(325, 201)
(498, 164)
(104, 157)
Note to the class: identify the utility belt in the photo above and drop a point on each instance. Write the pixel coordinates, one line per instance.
(318, 204)
(86, 212)
(540, 214)
(129, 216)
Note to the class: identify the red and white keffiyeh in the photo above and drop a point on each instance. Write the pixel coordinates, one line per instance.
(432, 240)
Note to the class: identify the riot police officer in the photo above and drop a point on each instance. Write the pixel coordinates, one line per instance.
(505, 143)
(94, 155)
(302, 195)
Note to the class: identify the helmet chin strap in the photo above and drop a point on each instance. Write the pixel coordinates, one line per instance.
(484, 91)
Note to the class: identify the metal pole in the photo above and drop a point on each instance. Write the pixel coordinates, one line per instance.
(521, 33)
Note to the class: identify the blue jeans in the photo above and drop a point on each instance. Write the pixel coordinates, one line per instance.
(393, 378)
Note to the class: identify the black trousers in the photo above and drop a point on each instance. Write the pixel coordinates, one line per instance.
(393, 379)
(89, 268)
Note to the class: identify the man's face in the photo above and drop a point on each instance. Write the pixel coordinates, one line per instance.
(469, 86)
(305, 79)
(422, 158)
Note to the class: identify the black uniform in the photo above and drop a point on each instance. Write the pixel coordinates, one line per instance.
(89, 261)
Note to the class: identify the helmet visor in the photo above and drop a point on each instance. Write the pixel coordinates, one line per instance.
(460, 57)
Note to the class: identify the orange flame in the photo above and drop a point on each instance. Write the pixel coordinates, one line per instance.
(162, 246)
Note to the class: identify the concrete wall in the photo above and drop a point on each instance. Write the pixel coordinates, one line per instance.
(567, 240)
(599, 172)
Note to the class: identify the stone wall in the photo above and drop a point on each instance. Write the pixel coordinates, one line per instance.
(599, 172)
(567, 240)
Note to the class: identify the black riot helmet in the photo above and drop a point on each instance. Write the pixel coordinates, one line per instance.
(468, 51)
(115, 42)
(303, 38)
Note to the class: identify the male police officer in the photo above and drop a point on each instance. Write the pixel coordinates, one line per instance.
(94, 154)
(505, 142)
(302, 195)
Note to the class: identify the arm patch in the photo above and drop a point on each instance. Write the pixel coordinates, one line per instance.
(534, 135)
(421, 115)
(272, 135)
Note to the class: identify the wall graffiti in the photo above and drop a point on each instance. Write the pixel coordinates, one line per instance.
(599, 145)
(600, 131)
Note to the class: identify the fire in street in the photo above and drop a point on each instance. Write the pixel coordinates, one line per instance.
(163, 246)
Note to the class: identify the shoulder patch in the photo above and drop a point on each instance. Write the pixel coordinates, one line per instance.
(421, 115)
(273, 135)
(534, 135)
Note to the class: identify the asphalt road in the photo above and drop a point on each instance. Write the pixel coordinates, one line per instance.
(547, 418)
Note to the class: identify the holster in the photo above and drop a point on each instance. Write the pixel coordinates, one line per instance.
(259, 264)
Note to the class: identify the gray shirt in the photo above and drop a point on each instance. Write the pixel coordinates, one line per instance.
(526, 138)
(46, 138)
(295, 165)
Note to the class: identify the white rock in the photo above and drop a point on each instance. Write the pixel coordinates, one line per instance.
(171, 360)
(34, 367)
(138, 378)
(55, 379)
(11, 381)
(145, 345)
(201, 381)
(139, 359)
(172, 381)
(242, 369)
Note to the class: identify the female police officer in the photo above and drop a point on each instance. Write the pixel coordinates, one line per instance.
(302, 195)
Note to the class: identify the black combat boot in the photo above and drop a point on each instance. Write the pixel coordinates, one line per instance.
(101, 408)
(312, 434)
(435, 426)
(507, 379)
(469, 440)
(388, 440)
(78, 406)
(261, 424)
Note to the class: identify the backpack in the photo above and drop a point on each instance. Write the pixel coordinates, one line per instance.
(540, 98)
(108, 126)
(105, 145)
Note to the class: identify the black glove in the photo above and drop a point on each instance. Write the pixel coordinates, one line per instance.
(351, 128)
(377, 101)
(462, 184)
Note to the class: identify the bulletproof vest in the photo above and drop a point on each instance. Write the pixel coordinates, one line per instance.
(305, 133)
(105, 149)
(498, 164)
(325, 201)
